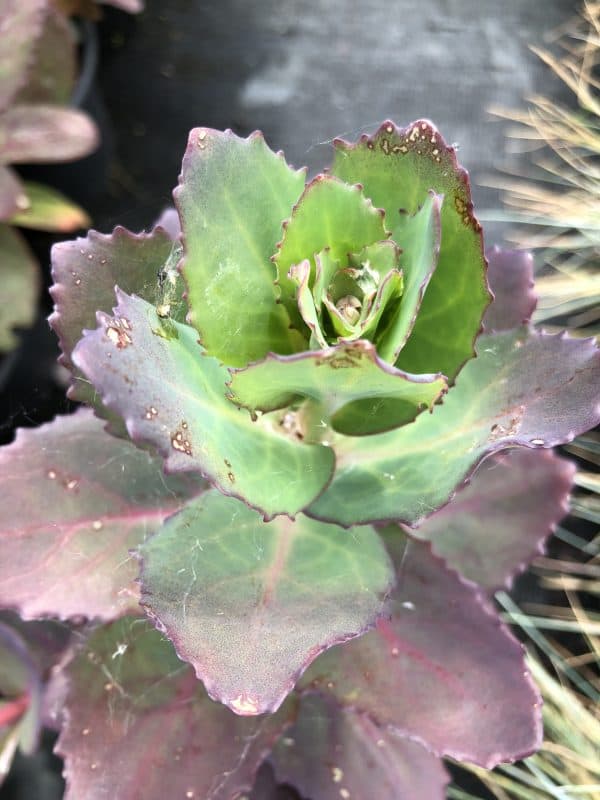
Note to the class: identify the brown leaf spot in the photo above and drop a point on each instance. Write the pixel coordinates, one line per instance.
(180, 443)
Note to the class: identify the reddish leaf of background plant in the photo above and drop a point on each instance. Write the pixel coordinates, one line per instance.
(250, 604)
(498, 523)
(140, 725)
(510, 275)
(12, 193)
(96, 497)
(45, 133)
(443, 670)
(22, 22)
(333, 753)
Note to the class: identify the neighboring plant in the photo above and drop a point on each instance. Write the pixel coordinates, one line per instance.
(315, 352)
(38, 65)
(89, 8)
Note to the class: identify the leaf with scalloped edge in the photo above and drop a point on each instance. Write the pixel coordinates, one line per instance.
(443, 670)
(397, 167)
(19, 278)
(498, 523)
(45, 209)
(330, 215)
(236, 595)
(139, 724)
(22, 23)
(85, 272)
(232, 197)
(510, 275)
(172, 395)
(331, 753)
(524, 388)
(97, 497)
(333, 379)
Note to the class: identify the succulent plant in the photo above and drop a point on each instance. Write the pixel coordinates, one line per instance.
(324, 447)
(37, 75)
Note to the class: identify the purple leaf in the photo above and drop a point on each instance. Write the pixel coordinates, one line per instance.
(96, 497)
(443, 670)
(139, 725)
(85, 272)
(45, 133)
(21, 22)
(498, 523)
(237, 598)
(510, 275)
(332, 753)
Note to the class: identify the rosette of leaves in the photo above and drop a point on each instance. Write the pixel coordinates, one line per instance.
(38, 68)
(320, 370)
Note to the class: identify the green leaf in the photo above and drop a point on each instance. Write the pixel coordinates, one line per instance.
(237, 597)
(232, 198)
(330, 215)
(506, 396)
(19, 278)
(419, 237)
(138, 724)
(397, 169)
(171, 395)
(334, 378)
(49, 210)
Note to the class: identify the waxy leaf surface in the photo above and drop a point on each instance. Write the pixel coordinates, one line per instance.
(232, 198)
(397, 168)
(85, 273)
(96, 497)
(20, 284)
(497, 524)
(443, 670)
(333, 378)
(250, 604)
(510, 275)
(331, 753)
(45, 133)
(140, 725)
(171, 395)
(523, 388)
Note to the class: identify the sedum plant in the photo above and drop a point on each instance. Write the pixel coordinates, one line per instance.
(317, 440)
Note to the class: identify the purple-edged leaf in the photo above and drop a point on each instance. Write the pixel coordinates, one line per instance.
(21, 23)
(12, 194)
(45, 209)
(498, 523)
(171, 395)
(132, 6)
(510, 275)
(443, 670)
(140, 725)
(52, 70)
(45, 133)
(237, 595)
(523, 388)
(19, 278)
(96, 497)
(169, 222)
(397, 168)
(85, 272)
(232, 198)
(332, 753)
(335, 379)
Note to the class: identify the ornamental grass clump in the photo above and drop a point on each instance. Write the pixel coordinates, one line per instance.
(318, 438)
